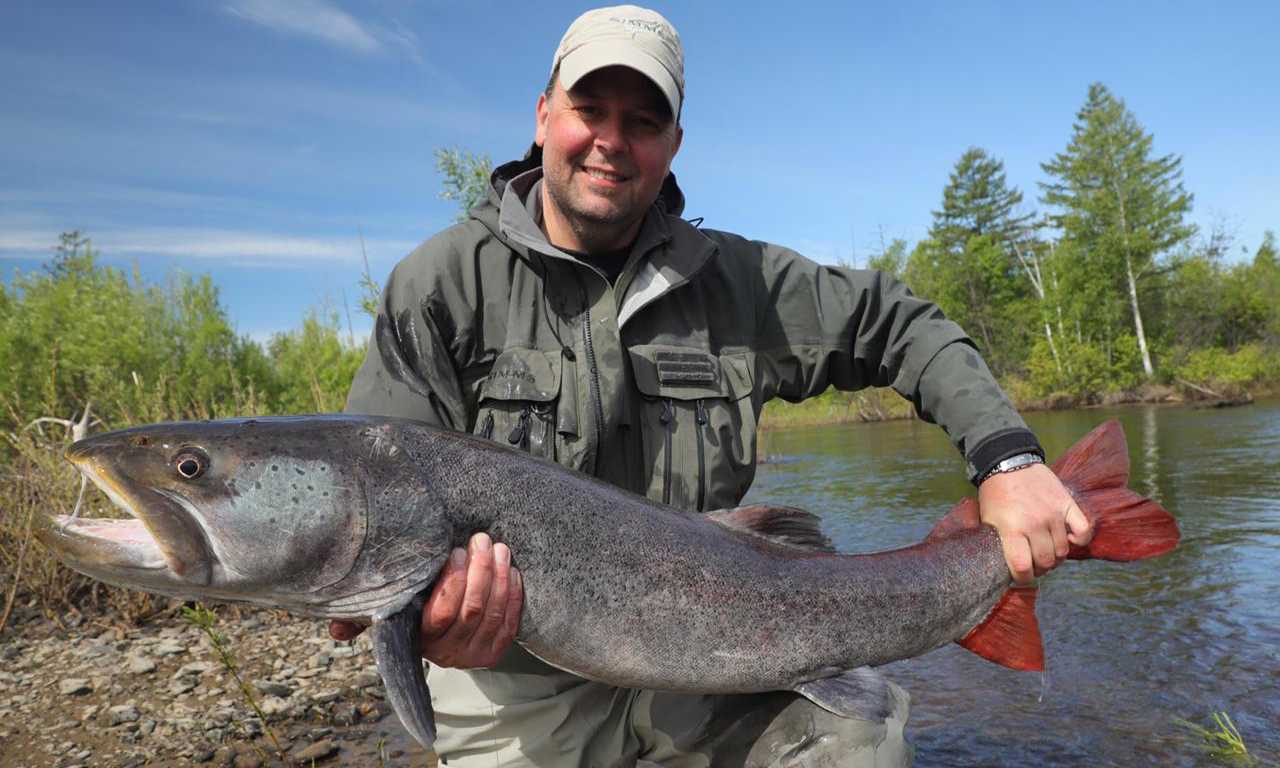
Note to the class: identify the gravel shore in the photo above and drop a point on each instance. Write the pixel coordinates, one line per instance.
(96, 695)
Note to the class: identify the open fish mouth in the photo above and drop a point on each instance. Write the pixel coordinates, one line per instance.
(161, 534)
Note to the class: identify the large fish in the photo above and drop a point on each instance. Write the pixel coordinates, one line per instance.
(353, 517)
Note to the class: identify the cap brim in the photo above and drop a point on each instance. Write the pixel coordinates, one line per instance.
(587, 58)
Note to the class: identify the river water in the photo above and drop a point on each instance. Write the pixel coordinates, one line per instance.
(1129, 647)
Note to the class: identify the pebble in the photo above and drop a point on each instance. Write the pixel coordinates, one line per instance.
(325, 696)
(123, 713)
(169, 648)
(272, 688)
(274, 705)
(141, 665)
(183, 684)
(366, 679)
(74, 686)
(317, 751)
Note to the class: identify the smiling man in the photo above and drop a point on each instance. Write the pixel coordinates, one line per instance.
(577, 316)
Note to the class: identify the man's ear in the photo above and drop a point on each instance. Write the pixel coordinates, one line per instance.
(679, 139)
(541, 112)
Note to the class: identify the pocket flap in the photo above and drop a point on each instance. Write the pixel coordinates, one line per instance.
(685, 373)
(523, 374)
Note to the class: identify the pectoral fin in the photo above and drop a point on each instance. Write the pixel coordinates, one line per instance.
(396, 642)
(858, 694)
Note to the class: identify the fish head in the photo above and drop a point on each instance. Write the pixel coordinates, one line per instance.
(258, 510)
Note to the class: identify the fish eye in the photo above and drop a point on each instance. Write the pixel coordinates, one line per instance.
(191, 464)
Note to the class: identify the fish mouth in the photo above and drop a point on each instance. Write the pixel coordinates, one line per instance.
(161, 538)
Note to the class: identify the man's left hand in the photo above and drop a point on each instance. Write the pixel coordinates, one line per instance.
(1036, 518)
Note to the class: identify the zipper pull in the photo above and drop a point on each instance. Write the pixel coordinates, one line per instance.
(487, 430)
(521, 429)
(701, 411)
(668, 413)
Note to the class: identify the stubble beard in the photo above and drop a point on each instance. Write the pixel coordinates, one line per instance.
(595, 231)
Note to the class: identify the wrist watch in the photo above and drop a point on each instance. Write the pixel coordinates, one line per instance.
(1013, 464)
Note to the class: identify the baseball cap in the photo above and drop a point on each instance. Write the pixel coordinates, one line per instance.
(624, 35)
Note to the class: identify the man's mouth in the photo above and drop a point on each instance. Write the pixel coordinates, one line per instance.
(601, 174)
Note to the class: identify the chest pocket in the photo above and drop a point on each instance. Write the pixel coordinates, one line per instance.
(519, 400)
(697, 423)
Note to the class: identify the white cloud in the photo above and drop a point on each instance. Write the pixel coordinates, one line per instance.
(326, 23)
(243, 248)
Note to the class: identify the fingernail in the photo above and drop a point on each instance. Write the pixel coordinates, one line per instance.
(501, 554)
(482, 542)
(458, 557)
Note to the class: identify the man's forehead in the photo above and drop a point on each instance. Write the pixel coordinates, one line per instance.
(621, 81)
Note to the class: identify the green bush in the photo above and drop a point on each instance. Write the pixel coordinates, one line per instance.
(1218, 368)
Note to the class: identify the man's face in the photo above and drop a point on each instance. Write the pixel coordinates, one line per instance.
(607, 146)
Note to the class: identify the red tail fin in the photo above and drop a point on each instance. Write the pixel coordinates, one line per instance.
(1009, 635)
(1126, 526)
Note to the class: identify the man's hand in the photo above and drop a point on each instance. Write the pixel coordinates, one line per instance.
(473, 613)
(1035, 517)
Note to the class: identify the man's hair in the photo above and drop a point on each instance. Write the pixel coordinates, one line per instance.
(555, 75)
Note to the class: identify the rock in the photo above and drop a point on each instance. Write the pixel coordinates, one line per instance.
(344, 652)
(123, 713)
(89, 713)
(273, 688)
(180, 685)
(147, 727)
(325, 696)
(247, 761)
(141, 665)
(274, 705)
(196, 668)
(317, 751)
(74, 686)
(169, 648)
(366, 679)
(202, 755)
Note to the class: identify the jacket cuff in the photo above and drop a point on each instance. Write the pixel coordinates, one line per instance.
(998, 447)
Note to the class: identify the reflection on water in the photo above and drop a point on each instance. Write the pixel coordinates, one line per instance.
(1129, 647)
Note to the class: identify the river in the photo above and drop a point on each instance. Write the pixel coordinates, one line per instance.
(1130, 647)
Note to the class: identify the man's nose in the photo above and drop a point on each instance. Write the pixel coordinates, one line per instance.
(610, 135)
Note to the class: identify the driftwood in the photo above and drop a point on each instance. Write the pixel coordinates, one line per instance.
(1219, 400)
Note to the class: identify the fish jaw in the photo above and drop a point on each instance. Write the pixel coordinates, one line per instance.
(161, 547)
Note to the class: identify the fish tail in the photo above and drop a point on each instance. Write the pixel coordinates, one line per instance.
(1126, 526)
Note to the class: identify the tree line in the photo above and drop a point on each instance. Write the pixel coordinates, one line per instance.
(1109, 289)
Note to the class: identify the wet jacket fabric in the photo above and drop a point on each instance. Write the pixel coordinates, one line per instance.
(655, 384)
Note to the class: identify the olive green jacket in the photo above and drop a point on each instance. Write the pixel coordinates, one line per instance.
(656, 383)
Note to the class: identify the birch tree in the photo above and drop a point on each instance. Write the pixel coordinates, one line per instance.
(1116, 201)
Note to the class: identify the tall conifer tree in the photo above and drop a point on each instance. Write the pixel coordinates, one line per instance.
(1115, 202)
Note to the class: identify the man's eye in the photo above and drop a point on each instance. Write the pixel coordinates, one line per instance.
(588, 110)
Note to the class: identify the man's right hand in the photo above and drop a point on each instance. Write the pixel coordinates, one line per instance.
(473, 613)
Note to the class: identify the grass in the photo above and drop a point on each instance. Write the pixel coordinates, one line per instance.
(204, 620)
(1223, 740)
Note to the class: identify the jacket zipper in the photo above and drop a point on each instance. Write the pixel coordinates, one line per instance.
(595, 382)
(520, 432)
(487, 430)
(668, 419)
(543, 412)
(701, 412)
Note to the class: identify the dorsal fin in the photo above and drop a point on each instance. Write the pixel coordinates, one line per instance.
(787, 526)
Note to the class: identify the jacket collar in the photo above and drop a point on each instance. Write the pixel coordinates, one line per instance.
(668, 250)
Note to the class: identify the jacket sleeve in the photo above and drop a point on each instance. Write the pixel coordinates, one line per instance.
(823, 326)
(408, 370)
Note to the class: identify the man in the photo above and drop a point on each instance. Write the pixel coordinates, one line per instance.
(577, 316)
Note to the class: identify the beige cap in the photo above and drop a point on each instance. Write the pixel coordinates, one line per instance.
(625, 35)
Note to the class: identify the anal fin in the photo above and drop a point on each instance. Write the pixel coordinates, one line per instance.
(858, 694)
(1010, 635)
(396, 644)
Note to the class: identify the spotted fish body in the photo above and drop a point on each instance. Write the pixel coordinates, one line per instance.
(353, 517)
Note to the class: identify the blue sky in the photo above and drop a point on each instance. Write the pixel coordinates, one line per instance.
(256, 140)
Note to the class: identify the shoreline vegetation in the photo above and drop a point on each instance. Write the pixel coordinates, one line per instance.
(874, 405)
